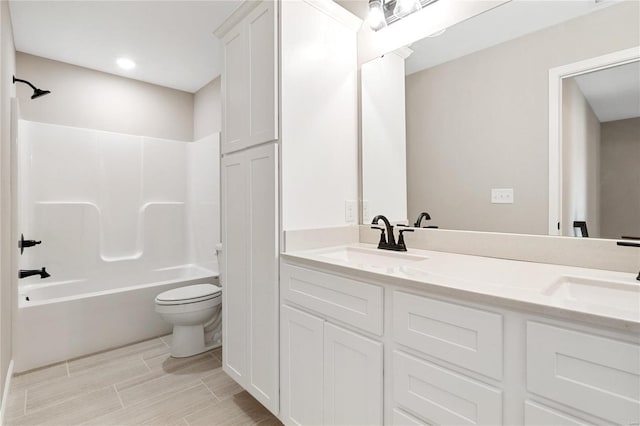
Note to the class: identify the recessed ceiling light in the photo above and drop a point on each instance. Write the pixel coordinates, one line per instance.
(125, 63)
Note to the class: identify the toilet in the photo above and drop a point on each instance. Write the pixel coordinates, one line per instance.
(192, 310)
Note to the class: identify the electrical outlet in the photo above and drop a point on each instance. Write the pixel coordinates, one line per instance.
(350, 211)
(502, 195)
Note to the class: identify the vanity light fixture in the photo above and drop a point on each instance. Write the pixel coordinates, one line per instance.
(385, 12)
(406, 7)
(376, 19)
(125, 63)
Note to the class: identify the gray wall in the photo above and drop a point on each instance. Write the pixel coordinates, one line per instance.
(207, 110)
(581, 162)
(620, 178)
(81, 97)
(7, 245)
(481, 122)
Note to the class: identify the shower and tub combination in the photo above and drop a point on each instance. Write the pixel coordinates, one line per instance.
(112, 220)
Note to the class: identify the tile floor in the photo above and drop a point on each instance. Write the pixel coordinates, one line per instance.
(133, 385)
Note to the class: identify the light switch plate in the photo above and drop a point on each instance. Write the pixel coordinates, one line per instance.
(350, 211)
(502, 195)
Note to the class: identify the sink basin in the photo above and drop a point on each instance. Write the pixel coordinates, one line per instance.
(371, 257)
(618, 295)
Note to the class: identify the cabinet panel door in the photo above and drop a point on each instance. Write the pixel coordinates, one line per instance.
(593, 374)
(301, 367)
(470, 338)
(352, 378)
(235, 294)
(235, 90)
(262, 253)
(539, 415)
(263, 72)
(443, 397)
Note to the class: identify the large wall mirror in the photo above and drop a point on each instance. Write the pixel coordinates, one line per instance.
(458, 125)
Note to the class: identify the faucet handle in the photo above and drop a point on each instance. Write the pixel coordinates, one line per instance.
(383, 238)
(401, 245)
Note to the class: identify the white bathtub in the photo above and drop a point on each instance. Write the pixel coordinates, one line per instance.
(63, 320)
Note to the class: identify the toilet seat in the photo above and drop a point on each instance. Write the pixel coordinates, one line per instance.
(189, 294)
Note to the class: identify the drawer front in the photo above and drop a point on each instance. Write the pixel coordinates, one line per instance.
(467, 337)
(539, 415)
(354, 302)
(400, 418)
(593, 374)
(440, 396)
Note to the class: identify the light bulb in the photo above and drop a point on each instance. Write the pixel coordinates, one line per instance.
(126, 63)
(376, 19)
(406, 7)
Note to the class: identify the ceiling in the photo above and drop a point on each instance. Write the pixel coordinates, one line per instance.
(172, 42)
(613, 93)
(508, 21)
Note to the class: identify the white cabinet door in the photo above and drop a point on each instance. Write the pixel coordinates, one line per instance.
(235, 293)
(235, 90)
(249, 82)
(262, 42)
(301, 363)
(262, 280)
(352, 378)
(250, 271)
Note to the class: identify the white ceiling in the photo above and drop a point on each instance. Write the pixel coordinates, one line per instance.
(613, 93)
(172, 42)
(503, 23)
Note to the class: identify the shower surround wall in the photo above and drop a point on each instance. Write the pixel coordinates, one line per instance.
(113, 211)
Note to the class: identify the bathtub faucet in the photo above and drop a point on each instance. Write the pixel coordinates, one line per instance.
(24, 273)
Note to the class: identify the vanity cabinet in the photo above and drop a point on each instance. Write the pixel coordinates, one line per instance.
(329, 374)
(250, 241)
(439, 359)
(250, 79)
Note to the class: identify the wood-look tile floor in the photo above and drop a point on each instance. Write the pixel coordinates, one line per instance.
(134, 385)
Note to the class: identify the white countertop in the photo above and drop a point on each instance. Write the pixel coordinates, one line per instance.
(488, 280)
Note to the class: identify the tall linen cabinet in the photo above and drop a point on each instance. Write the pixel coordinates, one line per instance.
(289, 161)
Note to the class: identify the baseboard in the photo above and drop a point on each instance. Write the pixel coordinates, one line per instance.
(5, 393)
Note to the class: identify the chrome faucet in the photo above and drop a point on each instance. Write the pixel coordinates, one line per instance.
(383, 244)
(630, 244)
(24, 273)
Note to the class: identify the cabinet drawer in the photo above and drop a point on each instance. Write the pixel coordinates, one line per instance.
(440, 396)
(539, 415)
(401, 418)
(593, 374)
(354, 302)
(467, 337)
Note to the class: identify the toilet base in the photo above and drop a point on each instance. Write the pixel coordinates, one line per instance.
(188, 340)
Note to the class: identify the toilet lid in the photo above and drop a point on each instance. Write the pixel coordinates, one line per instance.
(189, 294)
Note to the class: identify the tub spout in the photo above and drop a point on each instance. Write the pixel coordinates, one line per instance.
(24, 273)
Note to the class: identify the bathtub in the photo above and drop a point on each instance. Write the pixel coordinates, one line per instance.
(57, 321)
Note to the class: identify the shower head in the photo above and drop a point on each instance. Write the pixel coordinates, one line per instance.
(36, 92)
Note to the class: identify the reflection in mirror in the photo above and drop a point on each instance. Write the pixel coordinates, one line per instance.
(601, 153)
(477, 116)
